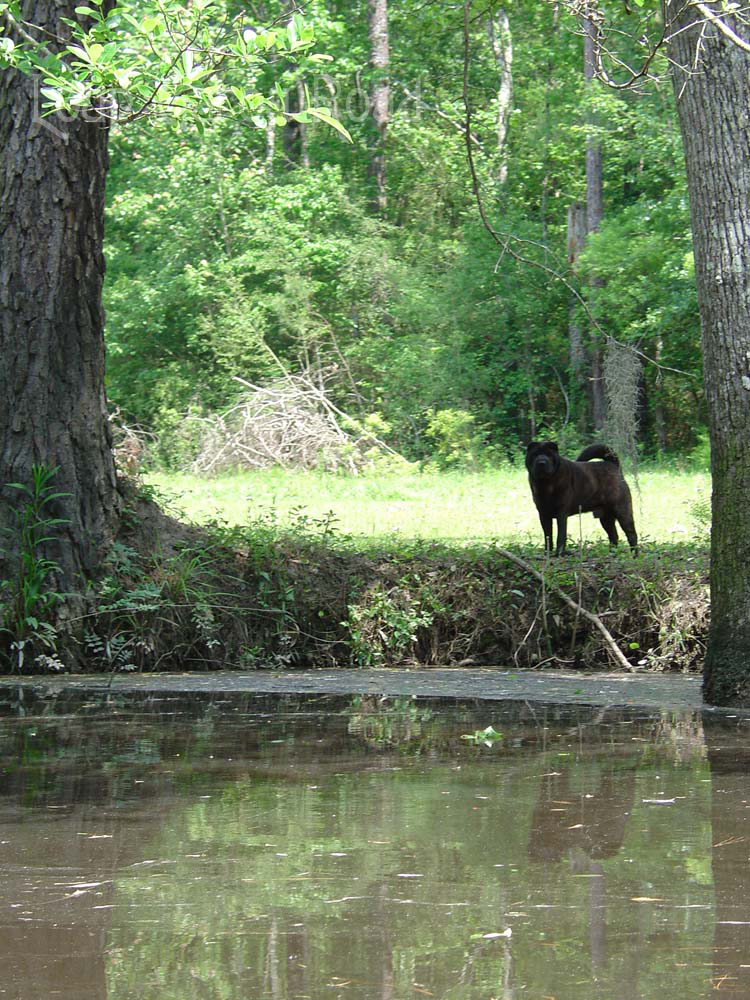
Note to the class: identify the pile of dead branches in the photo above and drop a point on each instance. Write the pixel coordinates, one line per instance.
(290, 422)
(130, 444)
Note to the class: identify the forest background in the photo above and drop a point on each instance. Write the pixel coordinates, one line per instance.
(279, 249)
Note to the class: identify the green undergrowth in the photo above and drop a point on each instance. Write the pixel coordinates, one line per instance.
(265, 595)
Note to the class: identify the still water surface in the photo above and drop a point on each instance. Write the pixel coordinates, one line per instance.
(193, 847)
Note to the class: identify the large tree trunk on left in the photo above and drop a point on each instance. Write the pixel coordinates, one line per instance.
(52, 400)
(712, 86)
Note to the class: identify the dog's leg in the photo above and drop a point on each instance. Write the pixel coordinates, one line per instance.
(562, 534)
(608, 523)
(625, 517)
(546, 523)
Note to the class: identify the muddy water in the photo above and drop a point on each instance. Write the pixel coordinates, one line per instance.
(184, 848)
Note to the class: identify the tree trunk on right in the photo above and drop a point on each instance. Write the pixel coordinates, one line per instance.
(711, 78)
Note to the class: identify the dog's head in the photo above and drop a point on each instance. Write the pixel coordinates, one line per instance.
(542, 459)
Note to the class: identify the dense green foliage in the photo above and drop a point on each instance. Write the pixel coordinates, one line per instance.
(224, 261)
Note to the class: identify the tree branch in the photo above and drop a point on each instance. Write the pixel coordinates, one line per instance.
(722, 26)
(614, 650)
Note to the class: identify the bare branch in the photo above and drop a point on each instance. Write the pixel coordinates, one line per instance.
(722, 26)
(614, 650)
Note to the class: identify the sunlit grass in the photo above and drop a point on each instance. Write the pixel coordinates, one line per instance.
(481, 506)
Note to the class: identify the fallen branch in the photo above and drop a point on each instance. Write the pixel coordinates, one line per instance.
(613, 648)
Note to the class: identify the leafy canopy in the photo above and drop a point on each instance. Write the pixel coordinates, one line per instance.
(136, 60)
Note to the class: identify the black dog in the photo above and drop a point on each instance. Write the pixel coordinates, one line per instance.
(562, 488)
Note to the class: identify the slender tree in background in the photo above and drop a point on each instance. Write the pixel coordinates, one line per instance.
(501, 40)
(711, 74)
(577, 353)
(379, 94)
(594, 216)
(52, 178)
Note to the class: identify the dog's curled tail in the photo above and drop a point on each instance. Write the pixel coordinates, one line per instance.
(598, 451)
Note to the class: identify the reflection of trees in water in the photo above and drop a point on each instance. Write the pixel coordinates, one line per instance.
(137, 780)
(684, 735)
(586, 824)
(729, 759)
(590, 819)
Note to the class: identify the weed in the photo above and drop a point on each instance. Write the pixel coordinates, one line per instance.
(700, 511)
(28, 600)
(384, 625)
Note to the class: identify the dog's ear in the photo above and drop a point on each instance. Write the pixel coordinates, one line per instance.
(553, 445)
(530, 445)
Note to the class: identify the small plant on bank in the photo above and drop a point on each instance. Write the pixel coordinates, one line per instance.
(27, 599)
(384, 625)
(700, 511)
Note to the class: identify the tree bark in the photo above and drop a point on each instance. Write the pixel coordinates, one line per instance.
(54, 409)
(379, 95)
(292, 132)
(270, 143)
(501, 40)
(594, 216)
(577, 356)
(711, 77)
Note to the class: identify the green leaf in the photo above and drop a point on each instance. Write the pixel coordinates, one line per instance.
(109, 52)
(330, 120)
(78, 51)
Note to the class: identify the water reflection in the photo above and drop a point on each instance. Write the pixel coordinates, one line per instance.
(730, 858)
(316, 847)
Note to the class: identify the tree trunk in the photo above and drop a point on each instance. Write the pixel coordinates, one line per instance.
(270, 143)
(594, 215)
(577, 358)
(660, 419)
(304, 144)
(501, 40)
(292, 132)
(52, 176)
(379, 95)
(713, 97)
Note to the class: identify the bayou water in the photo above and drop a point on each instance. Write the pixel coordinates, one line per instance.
(178, 847)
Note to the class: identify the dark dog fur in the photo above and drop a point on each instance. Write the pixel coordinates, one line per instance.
(562, 488)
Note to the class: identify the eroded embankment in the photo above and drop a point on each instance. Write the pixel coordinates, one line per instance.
(179, 597)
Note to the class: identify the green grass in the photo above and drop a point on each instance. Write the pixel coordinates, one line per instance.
(463, 506)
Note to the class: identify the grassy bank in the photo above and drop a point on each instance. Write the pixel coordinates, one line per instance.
(269, 595)
(274, 582)
(450, 506)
